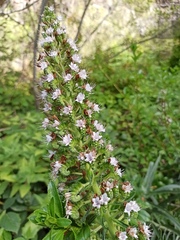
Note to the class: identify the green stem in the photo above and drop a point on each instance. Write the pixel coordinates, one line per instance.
(112, 229)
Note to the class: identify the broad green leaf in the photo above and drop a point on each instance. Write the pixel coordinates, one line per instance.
(55, 235)
(52, 192)
(4, 235)
(30, 230)
(11, 222)
(24, 189)
(51, 207)
(15, 189)
(84, 234)
(63, 222)
(3, 187)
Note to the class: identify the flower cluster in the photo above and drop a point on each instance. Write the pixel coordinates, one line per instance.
(89, 177)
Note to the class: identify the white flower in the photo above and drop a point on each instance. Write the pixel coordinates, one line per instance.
(68, 210)
(56, 166)
(96, 108)
(72, 44)
(45, 123)
(113, 161)
(90, 157)
(51, 153)
(81, 123)
(56, 94)
(133, 232)
(74, 67)
(48, 39)
(56, 124)
(76, 58)
(43, 94)
(109, 186)
(51, 8)
(131, 206)
(89, 104)
(104, 199)
(88, 88)
(67, 139)
(48, 138)
(43, 65)
(67, 110)
(95, 136)
(96, 202)
(146, 231)
(61, 31)
(47, 107)
(83, 74)
(80, 97)
(53, 54)
(127, 187)
(81, 156)
(67, 77)
(99, 126)
(119, 171)
(110, 147)
(49, 30)
(49, 77)
(122, 236)
(89, 112)
(61, 187)
(59, 18)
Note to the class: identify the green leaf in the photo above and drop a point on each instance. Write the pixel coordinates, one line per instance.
(24, 189)
(53, 193)
(171, 188)
(150, 175)
(30, 230)
(63, 222)
(3, 187)
(84, 234)
(55, 235)
(11, 222)
(4, 235)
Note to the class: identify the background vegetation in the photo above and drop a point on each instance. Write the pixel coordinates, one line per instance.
(138, 91)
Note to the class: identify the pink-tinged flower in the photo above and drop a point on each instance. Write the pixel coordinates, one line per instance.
(113, 161)
(43, 65)
(67, 77)
(45, 123)
(72, 44)
(96, 108)
(81, 156)
(109, 186)
(49, 77)
(127, 187)
(67, 139)
(145, 230)
(89, 104)
(67, 110)
(119, 171)
(59, 18)
(88, 88)
(89, 112)
(74, 67)
(80, 98)
(99, 126)
(104, 199)
(49, 30)
(131, 206)
(53, 53)
(81, 123)
(122, 236)
(76, 58)
(133, 232)
(96, 202)
(110, 147)
(56, 94)
(43, 94)
(56, 166)
(51, 153)
(47, 107)
(68, 210)
(61, 187)
(56, 124)
(90, 157)
(48, 138)
(95, 136)
(83, 74)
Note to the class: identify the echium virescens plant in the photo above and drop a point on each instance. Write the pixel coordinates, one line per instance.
(88, 195)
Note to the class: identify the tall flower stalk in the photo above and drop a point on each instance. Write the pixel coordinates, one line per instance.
(88, 195)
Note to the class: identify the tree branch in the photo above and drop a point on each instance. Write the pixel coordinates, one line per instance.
(81, 21)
